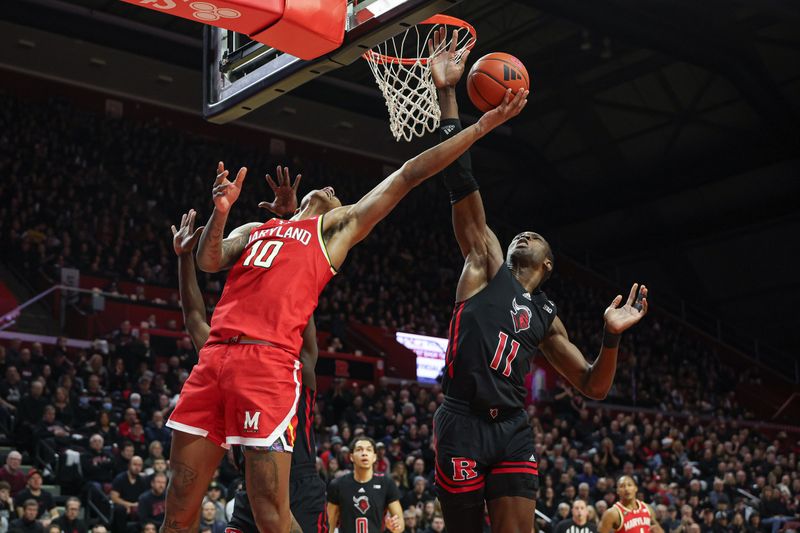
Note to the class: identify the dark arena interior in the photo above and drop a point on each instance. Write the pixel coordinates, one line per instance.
(660, 145)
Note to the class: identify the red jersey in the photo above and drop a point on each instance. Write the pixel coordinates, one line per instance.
(274, 286)
(634, 521)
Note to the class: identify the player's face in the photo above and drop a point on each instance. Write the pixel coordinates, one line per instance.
(527, 247)
(321, 200)
(626, 489)
(364, 454)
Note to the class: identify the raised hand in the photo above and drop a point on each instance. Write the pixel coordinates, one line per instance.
(185, 238)
(618, 319)
(446, 67)
(511, 107)
(285, 202)
(226, 192)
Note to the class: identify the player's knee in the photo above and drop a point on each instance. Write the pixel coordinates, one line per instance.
(269, 519)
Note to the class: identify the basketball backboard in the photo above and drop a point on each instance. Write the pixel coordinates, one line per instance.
(240, 74)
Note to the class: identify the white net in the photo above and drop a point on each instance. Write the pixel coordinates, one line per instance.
(400, 67)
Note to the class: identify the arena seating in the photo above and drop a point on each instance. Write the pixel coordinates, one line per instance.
(85, 191)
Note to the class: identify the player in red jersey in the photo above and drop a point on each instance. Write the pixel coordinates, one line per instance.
(629, 515)
(245, 388)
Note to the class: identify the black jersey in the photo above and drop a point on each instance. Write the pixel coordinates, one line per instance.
(493, 336)
(362, 506)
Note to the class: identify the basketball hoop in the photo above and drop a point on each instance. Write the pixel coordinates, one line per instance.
(400, 67)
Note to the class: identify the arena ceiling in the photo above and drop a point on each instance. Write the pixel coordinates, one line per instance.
(661, 140)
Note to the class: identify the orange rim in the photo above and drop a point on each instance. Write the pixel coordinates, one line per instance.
(375, 57)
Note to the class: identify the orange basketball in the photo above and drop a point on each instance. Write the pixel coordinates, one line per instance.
(491, 76)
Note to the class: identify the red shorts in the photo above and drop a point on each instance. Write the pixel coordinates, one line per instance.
(241, 394)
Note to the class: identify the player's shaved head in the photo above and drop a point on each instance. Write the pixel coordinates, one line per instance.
(530, 249)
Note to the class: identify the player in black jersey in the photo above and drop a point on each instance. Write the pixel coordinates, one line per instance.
(357, 502)
(484, 444)
(306, 489)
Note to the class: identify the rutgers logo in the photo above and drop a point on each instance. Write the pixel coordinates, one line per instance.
(361, 503)
(251, 421)
(521, 315)
(463, 469)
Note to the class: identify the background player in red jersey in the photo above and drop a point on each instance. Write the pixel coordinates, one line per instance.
(629, 515)
(307, 490)
(484, 443)
(358, 501)
(245, 388)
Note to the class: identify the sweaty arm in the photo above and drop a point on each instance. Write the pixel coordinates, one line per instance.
(215, 253)
(194, 310)
(479, 246)
(610, 521)
(309, 354)
(346, 226)
(593, 380)
(396, 523)
(333, 516)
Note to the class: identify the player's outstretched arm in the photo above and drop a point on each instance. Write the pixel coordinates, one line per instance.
(309, 354)
(346, 226)
(194, 310)
(594, 380)
(478, 243)
(215, 253)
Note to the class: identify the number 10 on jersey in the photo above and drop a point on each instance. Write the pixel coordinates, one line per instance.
(264, 253)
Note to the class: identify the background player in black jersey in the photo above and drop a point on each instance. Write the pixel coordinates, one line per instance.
(307, 490)
(358, 501)
(484, 444)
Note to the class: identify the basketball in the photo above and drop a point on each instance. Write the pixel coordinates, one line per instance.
(491, 76)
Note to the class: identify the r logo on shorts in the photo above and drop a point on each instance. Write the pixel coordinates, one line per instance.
(463, 469)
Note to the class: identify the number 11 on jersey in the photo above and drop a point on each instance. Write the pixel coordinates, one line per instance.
(499, 351)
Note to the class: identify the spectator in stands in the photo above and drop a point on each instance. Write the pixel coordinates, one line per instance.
(11, 388)
(46, 508)
(215, 496)
(69, 521)
(149, 528)
(157, 431)
(12, 474)
(97, 464)
(419, 495)
(125, 491)
(99, 528)
(123, 460)
(7, 509)
(30, 410)
(27, 522)
(152, 502)
(437, 524)
(209, 518)
(51, 430)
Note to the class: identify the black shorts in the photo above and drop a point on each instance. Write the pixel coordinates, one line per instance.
(480, 459)
(306, 500)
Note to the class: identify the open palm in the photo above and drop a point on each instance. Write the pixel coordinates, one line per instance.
(446, 67)
(226, 192)
(618, 319)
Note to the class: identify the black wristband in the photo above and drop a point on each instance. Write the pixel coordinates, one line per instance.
(458, 177)
(611, 340)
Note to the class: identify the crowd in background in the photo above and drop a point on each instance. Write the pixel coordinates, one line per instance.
(99, 194)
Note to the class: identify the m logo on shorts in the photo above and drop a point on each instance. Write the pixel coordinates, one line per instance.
(463, 469)
(251, 421)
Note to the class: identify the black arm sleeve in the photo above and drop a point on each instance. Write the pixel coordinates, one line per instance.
(458, 177)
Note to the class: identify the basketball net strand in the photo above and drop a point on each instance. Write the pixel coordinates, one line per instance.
(408, 89)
